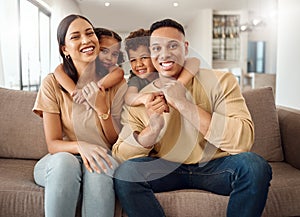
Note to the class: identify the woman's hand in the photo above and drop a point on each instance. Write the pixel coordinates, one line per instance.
(78, 98)
(96, 97)
(94, 157)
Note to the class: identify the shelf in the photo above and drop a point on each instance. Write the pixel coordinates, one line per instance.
(226, 42)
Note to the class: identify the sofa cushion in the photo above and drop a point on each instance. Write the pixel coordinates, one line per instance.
(19, 195)
(289, 122)
(267, 142)
(284, 193)
(21, 131)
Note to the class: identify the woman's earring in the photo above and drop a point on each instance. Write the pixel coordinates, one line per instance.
(67, 56)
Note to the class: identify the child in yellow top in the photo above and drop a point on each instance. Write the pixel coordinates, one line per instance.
(110, 57)
(143, 71)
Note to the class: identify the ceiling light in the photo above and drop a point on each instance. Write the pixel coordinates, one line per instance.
(256, 22)
(175, 4)
(244, 27)
(107, 4)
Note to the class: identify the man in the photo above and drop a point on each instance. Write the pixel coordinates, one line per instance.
(202, 142)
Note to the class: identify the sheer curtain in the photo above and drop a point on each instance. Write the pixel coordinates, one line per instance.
(1, 58)
(1, 68)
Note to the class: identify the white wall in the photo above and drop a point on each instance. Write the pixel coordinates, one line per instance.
(268, 33)
(288, 54)
(1, 68)
(199, 36)
(266, 10)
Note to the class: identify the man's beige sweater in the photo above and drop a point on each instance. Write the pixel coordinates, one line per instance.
(231, 129)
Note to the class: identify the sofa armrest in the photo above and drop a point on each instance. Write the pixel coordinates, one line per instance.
(289, 122)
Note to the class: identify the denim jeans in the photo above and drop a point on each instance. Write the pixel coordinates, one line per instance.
(244, 177)
(66, 179)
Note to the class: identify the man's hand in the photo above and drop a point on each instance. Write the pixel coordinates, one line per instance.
(147, 97)
(156, 122)
(156, 104)
(174, 93)
(155, 109)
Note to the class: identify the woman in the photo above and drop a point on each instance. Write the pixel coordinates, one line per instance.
(110, 57)
(78, 164)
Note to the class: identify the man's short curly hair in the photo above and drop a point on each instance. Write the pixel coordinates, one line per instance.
(167, 23)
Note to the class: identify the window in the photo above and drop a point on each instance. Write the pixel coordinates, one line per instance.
(256, 56)
(25, 44)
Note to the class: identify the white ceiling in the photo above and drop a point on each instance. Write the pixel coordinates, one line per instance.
(129, 15)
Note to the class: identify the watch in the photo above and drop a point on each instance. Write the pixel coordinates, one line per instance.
(104, 116)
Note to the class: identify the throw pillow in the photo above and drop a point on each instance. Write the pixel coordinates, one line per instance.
(267, 141)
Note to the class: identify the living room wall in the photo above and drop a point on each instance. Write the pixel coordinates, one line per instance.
(288, 54)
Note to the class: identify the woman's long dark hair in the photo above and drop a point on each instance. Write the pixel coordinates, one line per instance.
(62, 29)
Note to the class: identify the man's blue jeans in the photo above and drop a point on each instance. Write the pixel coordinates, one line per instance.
(244, 177)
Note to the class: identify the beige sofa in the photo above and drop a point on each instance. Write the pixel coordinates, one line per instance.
(22, 144)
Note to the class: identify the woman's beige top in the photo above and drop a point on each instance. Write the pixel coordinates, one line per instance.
(78, 122)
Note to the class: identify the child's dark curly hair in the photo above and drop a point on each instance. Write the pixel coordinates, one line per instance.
(136, 39)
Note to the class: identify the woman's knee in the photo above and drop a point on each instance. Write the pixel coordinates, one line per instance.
(64, 164)
(115, 165)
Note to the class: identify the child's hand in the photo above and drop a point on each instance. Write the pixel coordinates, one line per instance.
(100, 82)
(167, 109)
(78, 98)
(152, 96)
(147, 97)
(191, 67)
(158, 98)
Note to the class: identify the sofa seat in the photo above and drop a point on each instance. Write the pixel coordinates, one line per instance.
(18, 190)
(283, 198)
(284, 194)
